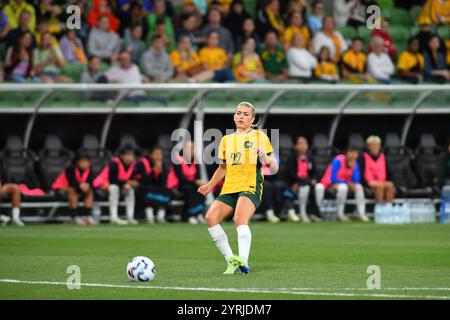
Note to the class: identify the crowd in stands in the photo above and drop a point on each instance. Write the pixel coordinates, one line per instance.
(221, 41)
(298, 191)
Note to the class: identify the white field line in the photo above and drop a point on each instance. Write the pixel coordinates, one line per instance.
(239, 290)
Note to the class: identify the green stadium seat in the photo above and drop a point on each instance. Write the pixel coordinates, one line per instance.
(399, 17)
(250, 6)
(399, 34)
(348, 32)
(443, 32)
(364, 33)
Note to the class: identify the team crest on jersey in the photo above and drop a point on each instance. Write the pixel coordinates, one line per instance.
(248, 144)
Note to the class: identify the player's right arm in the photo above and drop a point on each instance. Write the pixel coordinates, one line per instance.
(218, 175)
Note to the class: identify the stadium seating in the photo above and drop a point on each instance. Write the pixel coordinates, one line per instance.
(53, 159)
(322, 152)
(98, 156)
(129, 140)
(426, 160)
(356, 140)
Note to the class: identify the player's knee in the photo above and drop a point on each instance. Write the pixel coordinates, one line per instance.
(342, 188)
(389, 185)
(211, 219)
(319, 187)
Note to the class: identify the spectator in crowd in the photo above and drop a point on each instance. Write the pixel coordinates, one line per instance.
(383, 32)
(151, 174)
(185, 176)
(11, 190)
(247, 65)
(19, 65)
(46, 9)
(156, 62)
(443, 169)
(425, 33)
(330, 38)
(190, 28)
(273, 58)
(4, 26)
(235, 19)
(435, 64)
(357, 14)
(326, 69)
(411, 64)
(353, 63)
(93, 74)
(215, 58)
(302, 176)
(161, 17)
(133, 42)
(379, 64)
(296, 27)
(440, 12)
(72, 48)
(100, 9)
(117, 179)
(316, 20)
(189, 8)
(42, 28)
(49, 61)
(269, 18)
(187, 63)
(76, 182)
(342, 11)
(132, 13)
(128, 73)
(248, 32)
(104, 43)
(342, 175)
(294, 6)
(375, 171)
(161, 29)
(22, 27)
(225, 37)
(301, 62)
(13, 11)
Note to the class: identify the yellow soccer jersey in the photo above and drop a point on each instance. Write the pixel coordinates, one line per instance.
(238, 151)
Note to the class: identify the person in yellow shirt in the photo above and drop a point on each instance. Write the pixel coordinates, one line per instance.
(411, 63)
(295, 27)
(440, 12)
(13, 10)
(247, 66)
(187, 63)
(242, 154)
(353, 63)
(326, 68)
(215, 59)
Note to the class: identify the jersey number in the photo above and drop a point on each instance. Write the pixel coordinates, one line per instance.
(235, 158)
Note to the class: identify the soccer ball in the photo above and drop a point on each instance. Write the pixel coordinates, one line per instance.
(141, 269)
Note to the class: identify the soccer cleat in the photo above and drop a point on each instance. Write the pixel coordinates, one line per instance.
(201, 219)
(305, 219)
(292, 216)
(17, 222)
(363, 218)
(271, 217)
(193, 220)
(343, 218)
(231, 269)
(240, 263)
(118, 221)
(79, 221)
(132, 221)
(4, 220)
(90, 221)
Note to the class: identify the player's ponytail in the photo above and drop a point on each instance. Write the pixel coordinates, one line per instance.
(256, 125)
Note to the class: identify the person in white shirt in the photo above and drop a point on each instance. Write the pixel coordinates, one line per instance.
(329, 37)
(379, 64)
(128, 73)
(301, 61)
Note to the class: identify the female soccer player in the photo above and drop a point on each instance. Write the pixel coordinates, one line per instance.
(242, 154)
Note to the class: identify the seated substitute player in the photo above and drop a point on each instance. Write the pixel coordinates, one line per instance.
(242, 154)
(151, 174)
(301, 175)
(343, 175)
(376, 173)
(117, 178)
(75, 182)
(185, 176)
(12, 190)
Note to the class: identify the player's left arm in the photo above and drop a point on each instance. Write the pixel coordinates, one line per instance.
(266, 155)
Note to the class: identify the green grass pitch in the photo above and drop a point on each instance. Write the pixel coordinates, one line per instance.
(288, 260)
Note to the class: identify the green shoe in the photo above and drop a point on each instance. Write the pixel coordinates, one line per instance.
(240, 263)
(231, 269)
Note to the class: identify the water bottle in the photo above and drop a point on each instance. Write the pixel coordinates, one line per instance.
(96, 212)
(379, 214)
